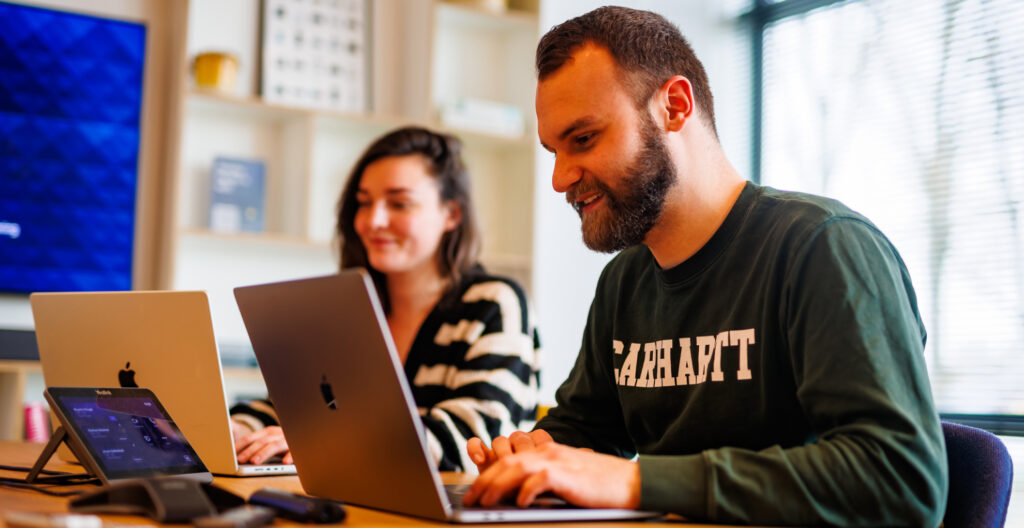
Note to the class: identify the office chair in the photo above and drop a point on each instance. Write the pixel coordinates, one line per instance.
(980, 478)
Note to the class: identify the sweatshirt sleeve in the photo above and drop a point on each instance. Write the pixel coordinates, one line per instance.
(493, 387)
(856, 345)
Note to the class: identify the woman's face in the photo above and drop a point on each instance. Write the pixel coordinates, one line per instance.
(400, 217)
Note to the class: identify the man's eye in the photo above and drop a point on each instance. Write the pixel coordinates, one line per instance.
(584, 139)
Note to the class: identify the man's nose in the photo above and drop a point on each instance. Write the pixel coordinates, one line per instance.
(564, 176)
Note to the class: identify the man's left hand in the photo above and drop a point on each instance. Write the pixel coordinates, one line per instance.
(579, 476)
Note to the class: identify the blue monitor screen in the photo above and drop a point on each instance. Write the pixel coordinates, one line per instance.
(70, 102)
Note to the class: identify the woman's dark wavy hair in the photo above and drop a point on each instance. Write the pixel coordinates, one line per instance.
(459, 248)
(647, 48)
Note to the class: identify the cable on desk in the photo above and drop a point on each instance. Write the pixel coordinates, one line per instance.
(43, 471)
(41, 488)
(46, 484)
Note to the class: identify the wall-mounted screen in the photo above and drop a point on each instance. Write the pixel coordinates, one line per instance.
(70, 105)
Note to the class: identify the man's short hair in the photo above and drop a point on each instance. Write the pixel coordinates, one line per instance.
(648, 49)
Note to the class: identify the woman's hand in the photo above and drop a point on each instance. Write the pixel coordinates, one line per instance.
(256, 448)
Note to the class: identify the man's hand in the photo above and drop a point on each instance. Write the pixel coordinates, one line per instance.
(257, 447)
(579, 476)
(516, 442)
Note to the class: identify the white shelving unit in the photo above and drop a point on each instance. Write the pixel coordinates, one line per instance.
(424, 54)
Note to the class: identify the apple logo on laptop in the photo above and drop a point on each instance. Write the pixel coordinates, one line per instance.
(328, 393)
(126, 376)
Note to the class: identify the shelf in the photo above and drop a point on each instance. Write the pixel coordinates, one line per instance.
(268, 239)
(20, 366)
(256, 108)
(223, 105)
(491, 141)
(504, 260)
(253, 108)
(14, 376)
(479, 18)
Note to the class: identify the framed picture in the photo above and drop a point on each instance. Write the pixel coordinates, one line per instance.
(315, 54)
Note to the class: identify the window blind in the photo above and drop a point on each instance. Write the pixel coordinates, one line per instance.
(912, 113)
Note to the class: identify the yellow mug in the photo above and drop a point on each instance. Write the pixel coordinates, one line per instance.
(215, 70)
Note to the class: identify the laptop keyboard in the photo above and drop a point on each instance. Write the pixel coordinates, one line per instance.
(455, 493)
(545, 500)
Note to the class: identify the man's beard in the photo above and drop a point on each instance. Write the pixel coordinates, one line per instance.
(631, 212)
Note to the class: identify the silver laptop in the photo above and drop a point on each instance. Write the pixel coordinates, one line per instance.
(344, 402)
(160, 340)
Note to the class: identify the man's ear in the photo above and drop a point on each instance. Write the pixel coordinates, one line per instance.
(454, 215)
(674, 102)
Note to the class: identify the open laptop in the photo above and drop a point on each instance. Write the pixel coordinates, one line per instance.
(160, 340)
(344, 402)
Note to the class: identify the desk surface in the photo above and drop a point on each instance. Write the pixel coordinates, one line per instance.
(24, 454)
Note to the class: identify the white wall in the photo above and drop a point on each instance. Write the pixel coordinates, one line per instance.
(565, 272)
(15, 313)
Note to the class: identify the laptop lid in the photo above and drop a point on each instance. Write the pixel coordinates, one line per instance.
(340, 395)
(344, 402)
(160, 340)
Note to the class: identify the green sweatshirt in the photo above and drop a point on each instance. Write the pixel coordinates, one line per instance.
(775, 377)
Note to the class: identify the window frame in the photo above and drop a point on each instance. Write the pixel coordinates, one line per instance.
(759, 17)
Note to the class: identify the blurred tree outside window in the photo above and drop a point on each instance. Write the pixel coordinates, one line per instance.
(912, 113)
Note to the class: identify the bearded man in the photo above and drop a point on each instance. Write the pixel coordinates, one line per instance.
(751, 355)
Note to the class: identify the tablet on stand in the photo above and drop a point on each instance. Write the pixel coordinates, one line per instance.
(119, 433)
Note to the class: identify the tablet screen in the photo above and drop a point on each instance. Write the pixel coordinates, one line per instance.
(126, 431)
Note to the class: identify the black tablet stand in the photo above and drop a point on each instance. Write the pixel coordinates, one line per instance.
(164, 499)
(59, 435)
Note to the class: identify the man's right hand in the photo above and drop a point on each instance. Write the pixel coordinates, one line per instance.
(516, 442)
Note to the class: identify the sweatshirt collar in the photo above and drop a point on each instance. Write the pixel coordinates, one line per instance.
(714, 247)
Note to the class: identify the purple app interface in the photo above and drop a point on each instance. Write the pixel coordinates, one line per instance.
(128, 433)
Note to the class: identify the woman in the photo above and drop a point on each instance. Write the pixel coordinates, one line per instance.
(466, 338)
